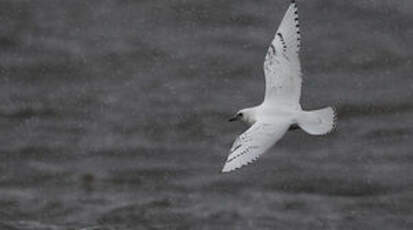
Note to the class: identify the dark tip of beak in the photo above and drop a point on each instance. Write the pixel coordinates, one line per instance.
(233, 119)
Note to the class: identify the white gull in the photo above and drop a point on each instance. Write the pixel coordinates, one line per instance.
(281, 109)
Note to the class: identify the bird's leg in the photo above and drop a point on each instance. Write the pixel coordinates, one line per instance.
(294, 127)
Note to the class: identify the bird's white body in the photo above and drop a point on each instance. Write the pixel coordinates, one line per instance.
(265, 113)
(281, 107)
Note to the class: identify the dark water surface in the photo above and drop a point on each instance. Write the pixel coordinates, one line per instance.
(113, 116)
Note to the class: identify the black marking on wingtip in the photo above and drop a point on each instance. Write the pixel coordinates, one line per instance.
(272, 48)
(281, 36)
(237, 147)
(282, 41)
(298, 30)
(238, 155)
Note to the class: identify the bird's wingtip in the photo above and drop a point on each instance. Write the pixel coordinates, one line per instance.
(228, 167)
(225, 169)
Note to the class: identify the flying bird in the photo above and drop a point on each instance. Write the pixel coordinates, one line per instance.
(281, 110)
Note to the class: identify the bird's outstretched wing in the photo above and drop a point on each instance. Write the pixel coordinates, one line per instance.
(282, 65)
(254, 142)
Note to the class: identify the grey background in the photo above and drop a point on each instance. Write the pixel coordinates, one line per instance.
(113, 115)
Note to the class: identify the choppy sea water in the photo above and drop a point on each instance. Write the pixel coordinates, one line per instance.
(113, 116)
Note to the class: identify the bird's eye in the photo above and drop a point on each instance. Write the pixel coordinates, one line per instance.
(240, 114)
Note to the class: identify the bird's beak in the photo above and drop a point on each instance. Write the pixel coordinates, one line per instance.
(234, 118)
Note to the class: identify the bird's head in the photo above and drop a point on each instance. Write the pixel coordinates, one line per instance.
(246, 115)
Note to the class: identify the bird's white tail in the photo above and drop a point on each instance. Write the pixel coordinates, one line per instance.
(317, 122)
